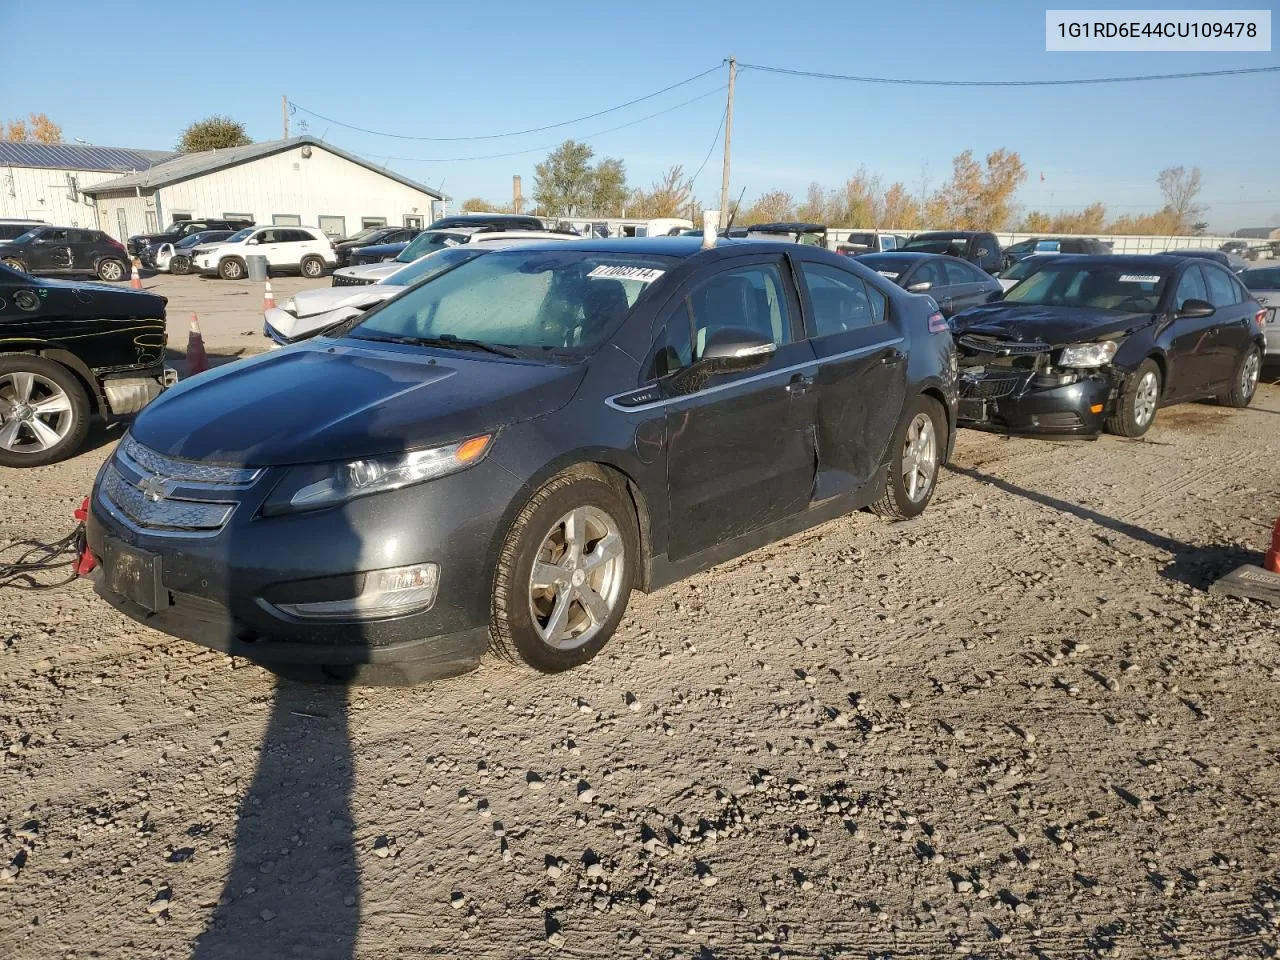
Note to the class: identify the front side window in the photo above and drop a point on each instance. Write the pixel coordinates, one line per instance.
(1222, 290)
(750, 298)
(841, 301)
(54, 236)
(673, 350)
(535, 299)
(1190, 287)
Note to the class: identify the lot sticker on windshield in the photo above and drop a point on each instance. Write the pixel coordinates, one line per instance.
(1139, 278)
(888, 273)
(450, 242)
(643, 274)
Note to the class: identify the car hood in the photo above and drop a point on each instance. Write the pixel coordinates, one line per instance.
(332, 400)
(323, 299)
(1053, 325)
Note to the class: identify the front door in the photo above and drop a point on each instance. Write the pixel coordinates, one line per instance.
(1192, 364)
(861, 379)
(270, 245)
(740, 446)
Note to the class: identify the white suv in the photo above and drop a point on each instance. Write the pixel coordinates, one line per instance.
(306, 250)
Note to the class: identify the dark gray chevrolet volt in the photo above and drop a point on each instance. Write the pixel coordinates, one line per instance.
(497, 457)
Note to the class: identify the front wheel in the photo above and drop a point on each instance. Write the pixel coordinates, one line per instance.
(918, 446)
(179, 266)
(1137, 402)
(312, 267)
(1245, 381)
(14, 264)
(564, 573)
(110, 270)
(44, 411)
(231, 269)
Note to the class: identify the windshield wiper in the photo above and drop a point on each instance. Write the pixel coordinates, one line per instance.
(452, 342)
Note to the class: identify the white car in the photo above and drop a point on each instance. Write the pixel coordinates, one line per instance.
(306, 250)
(429, 241)
(310, 312)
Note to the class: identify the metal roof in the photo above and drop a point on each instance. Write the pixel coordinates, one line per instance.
(76, 156)
(185, 166)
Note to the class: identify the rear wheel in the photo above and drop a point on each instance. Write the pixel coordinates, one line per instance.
(231, 269)
(44, 411)
(1245, 381)
(110, 270)
(1137, 402)
(312, 267)
(916, 452)
(14, 264)
(564, 573)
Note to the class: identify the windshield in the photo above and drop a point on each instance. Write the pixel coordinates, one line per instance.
(424, 243)
(1023, 246)
(192, 239)
(240, 235)
(432, 265)
(544, 299)
(1023, 268)
(887, 265)
(366, 232)
(952, 245)
(1127, 289)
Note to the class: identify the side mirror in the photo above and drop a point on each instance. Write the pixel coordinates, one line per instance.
(251, 242)
(1196, 308)
(920, 286)
(983, 251)
(736, 348)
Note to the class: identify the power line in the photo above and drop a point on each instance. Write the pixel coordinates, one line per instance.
(513, 133)
(551, 146)
(711, 149)
(908, 81)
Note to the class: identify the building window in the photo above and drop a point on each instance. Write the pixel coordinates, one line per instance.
(179, 217)
(335, 227)
(413, 221)
(152, 226)
(286, 220)
(238, 216)
(367, 222)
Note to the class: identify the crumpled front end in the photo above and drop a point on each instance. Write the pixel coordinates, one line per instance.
(1016, 387)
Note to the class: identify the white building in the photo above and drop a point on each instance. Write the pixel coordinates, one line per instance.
(299, 181)
(46, 181)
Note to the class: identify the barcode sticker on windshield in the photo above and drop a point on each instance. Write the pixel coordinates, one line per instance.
(1139, 278)
(642, 274)
(450, 242)
(888, 273)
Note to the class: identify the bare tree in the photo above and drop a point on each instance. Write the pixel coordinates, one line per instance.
(1180, 188)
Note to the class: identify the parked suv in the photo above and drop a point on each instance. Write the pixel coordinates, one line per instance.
(66, 251)
(982, 249)
(1025, 248)
(868, 241)
(305, 250)
(181, 230)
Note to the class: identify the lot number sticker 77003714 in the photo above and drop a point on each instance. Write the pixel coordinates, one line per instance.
(614, 272)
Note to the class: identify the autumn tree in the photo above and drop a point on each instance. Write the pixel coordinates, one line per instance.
(213, 133)
(609, 188)
(567, 184)
(771, 207)
(1180, 187)
(36, 126)
(669, 196)
(481, 205)
(899, 210)
(1089, 220)
(978, 196)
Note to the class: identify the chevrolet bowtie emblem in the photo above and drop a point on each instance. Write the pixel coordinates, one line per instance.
(154, 489)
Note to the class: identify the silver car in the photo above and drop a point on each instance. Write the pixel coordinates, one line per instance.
(1264, 284)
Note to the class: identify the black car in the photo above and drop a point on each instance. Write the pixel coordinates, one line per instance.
(1091, 343)
(1025, 248)
(953, 283)
(69, 351)
(982, 249)
(516, 445)
(494, 221)
(1229, 260)
(66, 251)
(460, 226)
(12, 229)
(367, 238)
(182, 229)
(180, 253)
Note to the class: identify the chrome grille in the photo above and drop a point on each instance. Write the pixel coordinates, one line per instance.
(341, 281)
(163, 514)
(187, 470)
(1008, 348)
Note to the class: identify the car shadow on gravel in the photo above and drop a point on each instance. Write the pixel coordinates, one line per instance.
(1193, 565)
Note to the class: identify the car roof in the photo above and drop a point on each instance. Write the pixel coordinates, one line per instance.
(907, 255)
(490, 236)
(948, 233)
(786, 226)
(1158, 261)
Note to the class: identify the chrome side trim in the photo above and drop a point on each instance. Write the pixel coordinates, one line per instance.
(807, 365)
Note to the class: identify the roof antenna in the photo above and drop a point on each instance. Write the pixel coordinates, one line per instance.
(734, 212)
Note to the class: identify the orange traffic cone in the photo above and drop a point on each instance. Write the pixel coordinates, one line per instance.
(197, 359)
(1272, 561)
(136, 280)
(268, 298)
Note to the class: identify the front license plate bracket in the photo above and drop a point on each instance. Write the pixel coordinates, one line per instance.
(135, 575)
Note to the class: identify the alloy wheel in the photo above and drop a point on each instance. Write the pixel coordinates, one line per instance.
(1249, 374)
(111, 270)
(919, 457)
(1145, 398)
(35, 413)
(578, 577)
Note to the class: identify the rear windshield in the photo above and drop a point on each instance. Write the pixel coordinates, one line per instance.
(952, 245)
(1268, 278)
(888, 265)
(432, 265)
(425, 243)
(537, 301)
(1125, 289)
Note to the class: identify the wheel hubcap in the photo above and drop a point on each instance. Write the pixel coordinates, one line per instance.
(577, 578)
(35, 413)
(919, 458)
(111, 271)
(1249, 375)
(1144, 398)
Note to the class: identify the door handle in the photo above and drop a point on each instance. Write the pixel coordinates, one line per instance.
(892, 359)
(799, 384)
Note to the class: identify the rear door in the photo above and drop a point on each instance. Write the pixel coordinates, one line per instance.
(1235, 328)
(934, 273)
(861, 381)
(740, 446)
(966, 283)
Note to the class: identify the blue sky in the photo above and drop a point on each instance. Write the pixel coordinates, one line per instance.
(137, 77)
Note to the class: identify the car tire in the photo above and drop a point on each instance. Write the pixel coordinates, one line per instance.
(312, 267)
(111, 270)
(232, 268)
(1137, 402)
(14, 264)
(179, 266)
(1244, 382)
(547, 587)
(915, 460)
(40, 380)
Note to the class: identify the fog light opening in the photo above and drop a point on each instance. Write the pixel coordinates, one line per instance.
(392, 592)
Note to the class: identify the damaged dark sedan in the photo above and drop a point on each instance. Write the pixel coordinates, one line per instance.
(1088, 344)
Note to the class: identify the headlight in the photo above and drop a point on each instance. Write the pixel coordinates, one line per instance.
(1088, 354)
(330, 484)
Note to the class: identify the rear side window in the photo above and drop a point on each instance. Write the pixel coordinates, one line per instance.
(1190, 287)
(932, 273)
(751, 297)
(1223, 291)
(841, 301)
(1262, 279)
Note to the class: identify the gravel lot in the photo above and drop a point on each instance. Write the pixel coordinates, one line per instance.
(1018, 726)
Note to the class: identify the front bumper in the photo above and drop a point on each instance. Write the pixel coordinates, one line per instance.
(225, 590)
(1026, 403)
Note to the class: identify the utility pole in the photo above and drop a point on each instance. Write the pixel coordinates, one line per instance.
(728, 137)
(284, 113)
